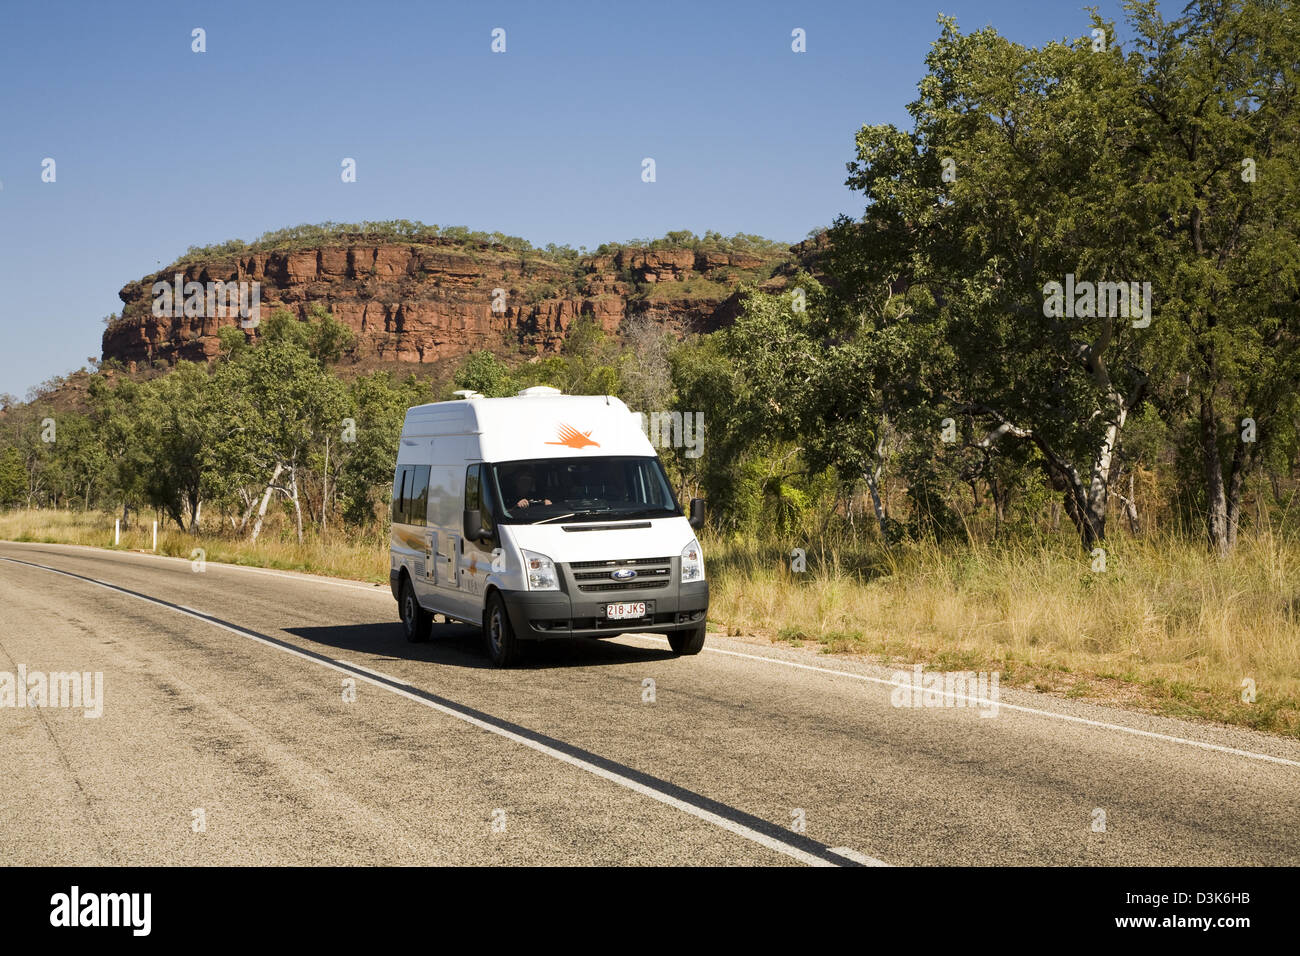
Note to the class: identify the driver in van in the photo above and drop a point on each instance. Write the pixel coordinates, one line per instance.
(524, 489)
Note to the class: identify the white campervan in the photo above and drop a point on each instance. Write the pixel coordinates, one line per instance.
(541, 516)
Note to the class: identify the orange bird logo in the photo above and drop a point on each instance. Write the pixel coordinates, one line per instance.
(570, 437)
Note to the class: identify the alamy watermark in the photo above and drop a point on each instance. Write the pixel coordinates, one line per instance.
(215, 300)
(1089, 300)
(55, 689)
(947, 689)
(674, 430)
(129, 910)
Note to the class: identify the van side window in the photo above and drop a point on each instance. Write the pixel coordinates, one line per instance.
(411, 495)
(416, 500)
(400, 484)
(489, 513)
(478, 497)
(472, 496)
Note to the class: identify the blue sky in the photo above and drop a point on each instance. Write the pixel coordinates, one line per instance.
(158, 148)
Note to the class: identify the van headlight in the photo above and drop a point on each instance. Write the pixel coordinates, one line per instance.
(692, 562)
(541, 572)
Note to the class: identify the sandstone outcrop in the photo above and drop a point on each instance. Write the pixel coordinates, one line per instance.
(424, 302)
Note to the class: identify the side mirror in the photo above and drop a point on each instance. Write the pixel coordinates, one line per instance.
(474, 525)
(697, 512)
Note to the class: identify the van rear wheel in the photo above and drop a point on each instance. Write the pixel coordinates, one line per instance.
(687, 642)
(416, 621)
(502, 645)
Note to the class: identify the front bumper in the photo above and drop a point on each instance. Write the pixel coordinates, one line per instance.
(543, 615)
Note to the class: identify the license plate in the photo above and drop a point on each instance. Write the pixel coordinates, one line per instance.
(625, 612)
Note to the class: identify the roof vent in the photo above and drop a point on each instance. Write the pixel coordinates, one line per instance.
(466, 393)
(537, 390)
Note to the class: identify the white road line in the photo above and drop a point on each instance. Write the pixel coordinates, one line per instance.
(359, 667)
(739, 829)
(851, 854)
(1284, 761)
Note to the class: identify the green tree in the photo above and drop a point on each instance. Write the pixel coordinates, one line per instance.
(82, 457)
(1027, 167)
(27, 427)
(366, 464)
(281, 404)
(111, 405)
(591, 360)
(13, 478)
(1216, 119)
(486, 374)
(169, 427)
(329, 339)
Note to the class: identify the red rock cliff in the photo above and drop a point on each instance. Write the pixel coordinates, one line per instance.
(424, 302)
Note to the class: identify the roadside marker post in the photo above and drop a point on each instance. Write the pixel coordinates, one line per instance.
(117, 531)
(155, 535)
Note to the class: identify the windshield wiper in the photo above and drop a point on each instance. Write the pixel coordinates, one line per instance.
(577, 514)
(557, 518)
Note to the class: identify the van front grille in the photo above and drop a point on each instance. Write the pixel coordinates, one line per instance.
(615, 565)
(641, 573)
(624, 586)
(651, 574)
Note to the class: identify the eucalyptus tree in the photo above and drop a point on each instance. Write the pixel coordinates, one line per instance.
(1070, 223)
(1218, 106)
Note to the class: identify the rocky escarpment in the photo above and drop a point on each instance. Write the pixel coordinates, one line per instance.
(427, 301)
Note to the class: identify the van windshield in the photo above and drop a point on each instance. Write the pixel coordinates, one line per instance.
(581, 489)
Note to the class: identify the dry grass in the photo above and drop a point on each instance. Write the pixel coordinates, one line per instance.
(1165, 628)
(362, 558)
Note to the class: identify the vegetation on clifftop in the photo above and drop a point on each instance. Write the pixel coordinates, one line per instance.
(317, 235)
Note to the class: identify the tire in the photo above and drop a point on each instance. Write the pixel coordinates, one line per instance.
(499, 634)
(687, 642)
(416, 621)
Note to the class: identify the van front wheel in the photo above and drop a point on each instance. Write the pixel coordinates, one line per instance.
(687, 642)
(502, 645)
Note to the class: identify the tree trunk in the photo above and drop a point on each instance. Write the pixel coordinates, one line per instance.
(1086, 505)
(872, 476)
(251, 502)
(1216, 501)
(266, 500)
(873, 487)
(999, 495)
(193, 508)
(1236, 483)
(297, 503)
(325, 487)
(1130, 505)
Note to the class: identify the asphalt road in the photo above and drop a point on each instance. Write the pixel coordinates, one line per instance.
(224, 692)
